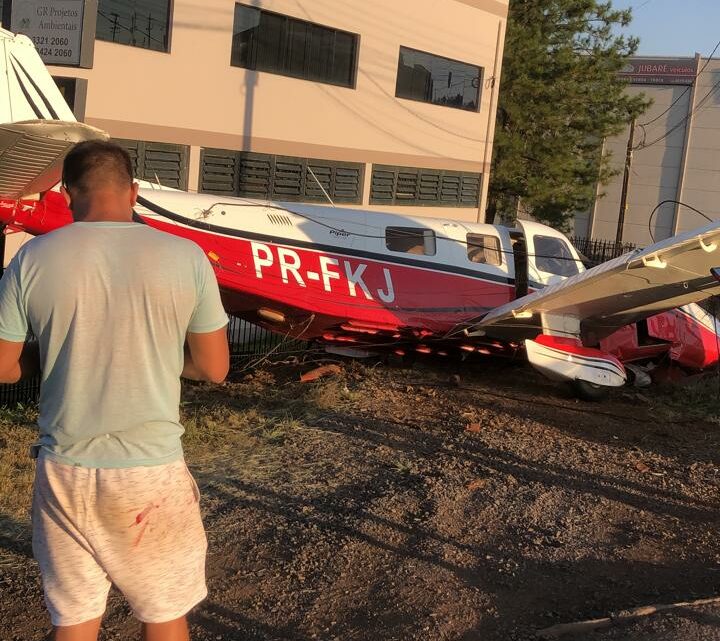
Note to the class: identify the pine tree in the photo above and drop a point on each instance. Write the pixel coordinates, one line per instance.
(560, 97)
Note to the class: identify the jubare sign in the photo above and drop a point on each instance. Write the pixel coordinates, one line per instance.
(55, 27)
(660, 71)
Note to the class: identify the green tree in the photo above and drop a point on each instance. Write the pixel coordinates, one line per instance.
(560, 97)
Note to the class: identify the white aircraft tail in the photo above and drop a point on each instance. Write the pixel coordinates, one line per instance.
(27, 91)
(37, 128)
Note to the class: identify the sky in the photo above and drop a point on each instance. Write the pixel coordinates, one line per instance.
(674, 27)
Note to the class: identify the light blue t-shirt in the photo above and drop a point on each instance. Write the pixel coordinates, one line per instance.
(110, 304)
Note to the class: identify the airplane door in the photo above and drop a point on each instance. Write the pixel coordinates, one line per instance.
(550, 255)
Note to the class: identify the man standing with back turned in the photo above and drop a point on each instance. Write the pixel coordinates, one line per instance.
(120, 311)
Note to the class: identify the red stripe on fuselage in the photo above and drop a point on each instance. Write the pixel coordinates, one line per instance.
(344, 287)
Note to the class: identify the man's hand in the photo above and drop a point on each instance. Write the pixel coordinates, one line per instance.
(207, 356)
(18, 361)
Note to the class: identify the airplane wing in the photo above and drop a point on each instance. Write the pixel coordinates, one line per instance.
(597, 302)
(32, 152)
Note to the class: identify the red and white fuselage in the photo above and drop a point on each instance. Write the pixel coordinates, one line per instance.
(329, 274)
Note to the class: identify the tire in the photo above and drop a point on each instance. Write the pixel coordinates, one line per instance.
(590, 391)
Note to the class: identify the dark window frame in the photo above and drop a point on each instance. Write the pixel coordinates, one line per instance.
(168, 30)
(400, 233)
(252, 54)
(74, 91)
(473, 244)
(566, 266)
(481, 76)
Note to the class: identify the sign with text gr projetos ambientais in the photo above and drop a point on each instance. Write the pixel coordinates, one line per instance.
(54, 26)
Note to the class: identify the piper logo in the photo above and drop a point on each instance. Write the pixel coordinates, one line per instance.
(334, 274)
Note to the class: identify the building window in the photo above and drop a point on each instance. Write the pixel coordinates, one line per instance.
(410, 240)
(268, 177)
(74, 91)
(424, 187)
(484, 249)
(158, 162)
(139, 23)
(437, 80)
(266, 41)
(553, 256)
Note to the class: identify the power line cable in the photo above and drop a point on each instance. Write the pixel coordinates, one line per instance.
(675, 202)
(674, 128)
(680, 97)
(398, 232)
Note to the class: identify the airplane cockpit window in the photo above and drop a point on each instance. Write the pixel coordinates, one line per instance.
(553, 256)
(410, 240)
(482, 248)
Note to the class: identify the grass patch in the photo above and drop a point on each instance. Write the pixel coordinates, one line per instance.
(17, 433)
(219, 422)
(215, 428)
(699, 400)
(220, 429)
(331, 394)
(404, 468)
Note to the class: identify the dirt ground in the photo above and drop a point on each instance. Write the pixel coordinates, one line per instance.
(391, 504)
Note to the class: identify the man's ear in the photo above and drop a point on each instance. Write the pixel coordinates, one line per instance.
(66, 196)
(134, 194)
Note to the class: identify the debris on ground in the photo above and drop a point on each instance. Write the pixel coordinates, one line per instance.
(620, 618)
(321, 372)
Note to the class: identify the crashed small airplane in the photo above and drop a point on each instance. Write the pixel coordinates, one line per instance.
(362, 281)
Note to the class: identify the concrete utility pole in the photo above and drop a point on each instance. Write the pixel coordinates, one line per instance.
(686, 148)
(626, 184)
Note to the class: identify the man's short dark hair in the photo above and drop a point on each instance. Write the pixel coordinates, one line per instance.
(95, 164)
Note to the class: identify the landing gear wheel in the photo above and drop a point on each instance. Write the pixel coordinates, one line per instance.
(590, 391)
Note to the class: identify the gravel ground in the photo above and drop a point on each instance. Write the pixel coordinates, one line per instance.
(389, 504)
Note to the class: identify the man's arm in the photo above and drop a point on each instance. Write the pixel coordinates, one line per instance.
(207, 356)
(18, 361)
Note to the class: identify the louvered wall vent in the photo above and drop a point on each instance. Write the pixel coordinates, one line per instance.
(279, 178)
(425, 187)
(159, 162)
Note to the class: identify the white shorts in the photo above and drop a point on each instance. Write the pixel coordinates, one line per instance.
(139, 528)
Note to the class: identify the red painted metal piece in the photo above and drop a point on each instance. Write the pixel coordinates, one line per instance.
(688, 341)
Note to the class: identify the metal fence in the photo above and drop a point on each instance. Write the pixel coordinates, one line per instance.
(23, 392)
(247, 342)
(598, 251)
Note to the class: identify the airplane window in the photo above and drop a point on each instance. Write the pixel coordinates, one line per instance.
(410, 240)
(482, 248)
(553, 256)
